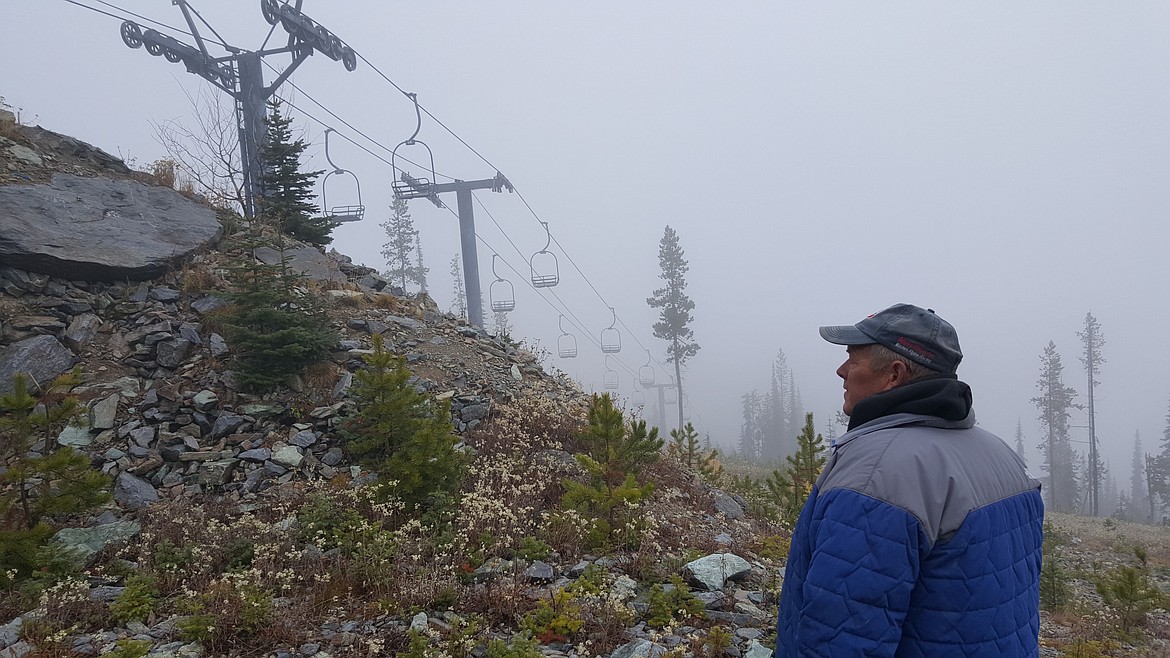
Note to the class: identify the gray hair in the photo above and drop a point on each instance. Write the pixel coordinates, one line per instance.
(882, 357)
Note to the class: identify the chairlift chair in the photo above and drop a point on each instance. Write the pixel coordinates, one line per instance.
(671, 396)
(339, 214)
(609, 378)
(566, 342)
(548, 274)
(611, 338)
(646, 372)
(501, 293)
(638, 399)
(408, 186)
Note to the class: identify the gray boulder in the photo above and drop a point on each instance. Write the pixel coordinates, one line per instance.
(81, 331)
(132, 492)
(40, 358)
(100, 229)
(308, 262)
(713, 571)
(726, 504)
(85, 542)
(639, 649)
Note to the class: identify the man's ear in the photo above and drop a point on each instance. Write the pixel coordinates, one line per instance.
(896, 375)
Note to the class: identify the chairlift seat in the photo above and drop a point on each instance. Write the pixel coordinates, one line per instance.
(421, 188)
(342, 214)
(609, 379)
(504, 306)
(566, 346)
(501, 294)
(646, 375)
(611, 341)
(545, 280)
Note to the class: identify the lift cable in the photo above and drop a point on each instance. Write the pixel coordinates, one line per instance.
(221, 42)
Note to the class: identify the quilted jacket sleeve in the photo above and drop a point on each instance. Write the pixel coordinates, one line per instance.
(864, 562)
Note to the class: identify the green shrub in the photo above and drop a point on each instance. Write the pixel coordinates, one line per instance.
(401, 434)
(532, 549)
(127, 648)
(137, 600)
(520, 646)
(666, 606)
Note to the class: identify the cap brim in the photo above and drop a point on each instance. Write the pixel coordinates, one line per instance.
(846, 335)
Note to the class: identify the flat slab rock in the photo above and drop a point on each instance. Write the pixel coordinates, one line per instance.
(100, 229)
(40, 359)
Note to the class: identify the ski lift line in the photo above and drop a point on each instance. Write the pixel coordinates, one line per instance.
(427, 112)
(348, 125)
(575, 321)
(578, 323)
(351, 127)
(341, 134)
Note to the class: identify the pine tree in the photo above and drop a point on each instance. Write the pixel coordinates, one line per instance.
(792, 486)
(458, 294)
(273, 328)
(420, 270)
(615, 452)
(402, 239)
(750, 446)
(1020, 442)
(1138, 496)
(1159, 470)
(501, 328)
(675, 318)
(687, 446)
(401, 434)
(286, 191)
(1054, 402)
(1092, 342)
(38, 481)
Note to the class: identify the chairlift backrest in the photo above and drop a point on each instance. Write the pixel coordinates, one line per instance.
(566, 342)
(646, 372)
(546, 272)
(409, 186)
(609, 378)
(339, 214)
(501, 293)
(611, 338)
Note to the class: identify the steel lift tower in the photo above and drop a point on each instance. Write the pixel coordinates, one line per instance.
(241, 75)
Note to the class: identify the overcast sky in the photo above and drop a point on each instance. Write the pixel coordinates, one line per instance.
(1004, 163)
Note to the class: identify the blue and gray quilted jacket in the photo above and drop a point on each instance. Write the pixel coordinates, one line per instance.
(921, 538)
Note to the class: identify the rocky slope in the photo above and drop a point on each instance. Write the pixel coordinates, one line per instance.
(200, 467)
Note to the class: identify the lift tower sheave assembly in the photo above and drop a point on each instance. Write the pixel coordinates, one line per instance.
(241, 74)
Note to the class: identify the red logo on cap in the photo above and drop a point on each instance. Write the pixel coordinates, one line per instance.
(915, 348)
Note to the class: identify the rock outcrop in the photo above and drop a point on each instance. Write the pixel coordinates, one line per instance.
(100, 229)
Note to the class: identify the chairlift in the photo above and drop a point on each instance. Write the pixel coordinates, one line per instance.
(671, 396)
(566, 342)
(339, 214)
(646, 372)
(549, 271)
(611, 338)
(638, 399)
(609, 378)
(501, 293)
(408, 186)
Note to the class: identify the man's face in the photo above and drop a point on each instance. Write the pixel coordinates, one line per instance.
(861, 380)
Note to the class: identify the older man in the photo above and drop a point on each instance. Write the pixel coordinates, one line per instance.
(922, 535)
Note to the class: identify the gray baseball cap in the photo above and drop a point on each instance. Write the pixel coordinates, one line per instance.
(916, 333)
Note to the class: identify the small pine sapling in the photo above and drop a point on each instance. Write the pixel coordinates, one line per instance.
(401, 434)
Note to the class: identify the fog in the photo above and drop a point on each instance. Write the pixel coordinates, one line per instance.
(1003, 163)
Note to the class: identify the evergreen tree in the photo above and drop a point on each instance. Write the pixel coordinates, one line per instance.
(675, 318)
(1091, 357)
(398, 250)
(1138, 496)
(274, 329)
(792, 486)
(615, 452)
(750, 446)
(401, 434)
(688, 448)
(420, 270)
(286, 191)
(501, 328)
(1159, 470)
(1020, 442)
(39, 481)
(458, 294)
(1054, 402)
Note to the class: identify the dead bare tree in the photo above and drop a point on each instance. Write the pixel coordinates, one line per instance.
(207, 151)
